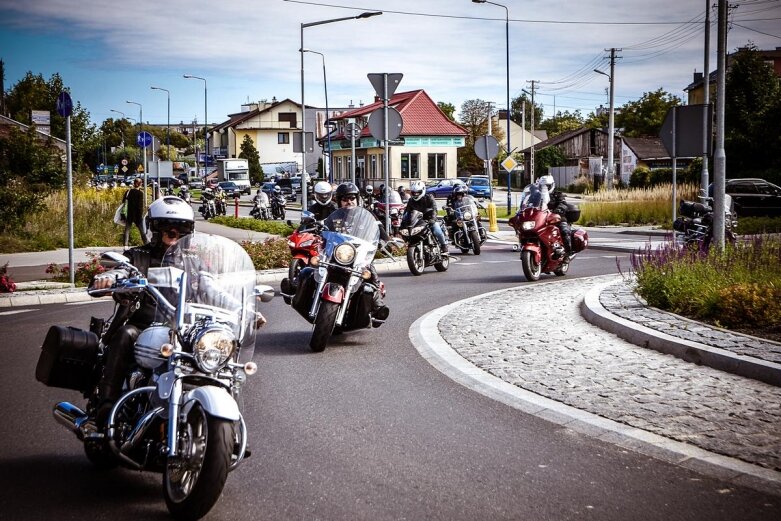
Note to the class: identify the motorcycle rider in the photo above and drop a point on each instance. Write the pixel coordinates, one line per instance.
(424, 203)
(347, 196)
(324, 204)
(277, 199)
(460, 192)
(260, 201)
(558, 205)
(220, 200)
(368, 199)
(403, 194)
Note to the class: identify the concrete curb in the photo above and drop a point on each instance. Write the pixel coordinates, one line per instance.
(425, 337)
(593, 311)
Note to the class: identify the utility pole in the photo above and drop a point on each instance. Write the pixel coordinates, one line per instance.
(490, 168)
(523, 132)
(531, 116)
(611, 122)
(705, 179)
(720, 156)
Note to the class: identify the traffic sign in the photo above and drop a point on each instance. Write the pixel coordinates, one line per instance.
(144, 139)
(377, 123)
(486, 147)
(687, 141)
(124, 162)
(509, 164)
(352, 131)
(64, 104)
(378, 82)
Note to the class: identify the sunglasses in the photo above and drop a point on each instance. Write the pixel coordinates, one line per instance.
(349, 198)
(172, 233)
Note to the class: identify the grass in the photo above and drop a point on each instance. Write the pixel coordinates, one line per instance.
(633, 206)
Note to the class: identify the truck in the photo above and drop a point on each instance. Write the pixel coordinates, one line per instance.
(236, 170)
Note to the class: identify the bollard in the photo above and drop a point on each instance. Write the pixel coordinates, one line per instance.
(492, 224)
(236, 207)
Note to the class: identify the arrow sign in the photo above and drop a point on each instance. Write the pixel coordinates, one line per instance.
(64, 105)
(144, 139)
(378, 82)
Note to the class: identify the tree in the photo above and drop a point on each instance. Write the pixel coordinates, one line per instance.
(547, 157)
(474, 118)
(516, 114)
(644, 117)
(562, 122)
(250, 153)
(752, 118)
(448, 108)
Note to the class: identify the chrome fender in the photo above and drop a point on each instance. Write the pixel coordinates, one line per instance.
(215, 401)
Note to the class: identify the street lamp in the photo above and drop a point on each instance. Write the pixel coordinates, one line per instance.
(121, 131)
(507, 56)
(205, 121)
(327, 114)
(301, 49)
(610, 129)
(168, 124)
(140, 123)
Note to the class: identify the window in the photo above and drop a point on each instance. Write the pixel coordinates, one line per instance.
(289, 117)
(283, 138)
(409, 166)
(436, 166)
(373, 167)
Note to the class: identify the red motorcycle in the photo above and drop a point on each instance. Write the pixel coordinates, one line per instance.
(542, 249)
(304, 244)
(396, 210)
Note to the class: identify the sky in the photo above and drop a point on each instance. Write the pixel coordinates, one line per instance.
(247, 50)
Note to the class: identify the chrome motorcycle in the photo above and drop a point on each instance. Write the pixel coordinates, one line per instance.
(465, 230)
(180, 408)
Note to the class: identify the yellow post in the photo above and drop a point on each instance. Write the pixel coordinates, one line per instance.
(492, 224)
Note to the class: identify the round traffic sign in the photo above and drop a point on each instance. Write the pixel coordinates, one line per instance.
(64, 104)
(486, 147)
(124, 162)
(144, 139)
(377, 123)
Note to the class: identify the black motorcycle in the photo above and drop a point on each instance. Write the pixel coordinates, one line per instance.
(208, 206)
(465, 229)
(422, 247)
(278, 206)
(694, 227)
(260, 207)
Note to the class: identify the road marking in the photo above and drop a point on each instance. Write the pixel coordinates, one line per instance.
(94, 301)
(15, 311)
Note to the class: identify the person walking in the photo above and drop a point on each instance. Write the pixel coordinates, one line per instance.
(134, 211)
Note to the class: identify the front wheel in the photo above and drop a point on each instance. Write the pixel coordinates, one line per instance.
(531, 269)
(193, 481)
(415, 259)
(324, 325)
(296, 265)
(474, 236)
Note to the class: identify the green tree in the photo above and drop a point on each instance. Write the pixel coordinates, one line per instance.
(752, 119)
(448, 108)
(523, 105)
(474, 118)
(250, 153)
(547, 157)
(562, 122)
(644, 117)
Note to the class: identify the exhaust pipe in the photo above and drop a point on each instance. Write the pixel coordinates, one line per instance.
(70, 417)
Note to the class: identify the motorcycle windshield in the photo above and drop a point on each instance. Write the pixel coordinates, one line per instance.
(410, 217)
(356, 222)
(465, 204)
(220, 287)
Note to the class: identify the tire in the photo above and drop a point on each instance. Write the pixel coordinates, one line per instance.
(442, 266)
(531, 269)
(474, 236)
(324, 326)
(193, 483)
(415, 259)
(562, 269)
(296, 265)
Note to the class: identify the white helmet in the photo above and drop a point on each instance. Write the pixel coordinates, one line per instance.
(168, 213)
(547, 181)
(369, 189)
(323, 192)
(417, 190)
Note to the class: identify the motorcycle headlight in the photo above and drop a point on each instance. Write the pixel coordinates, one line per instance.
(404, 231)
(417, 229)
(528, 225)
(212, 348)
(307, 243)
(291, 244)
(344, 253)
(467, 216)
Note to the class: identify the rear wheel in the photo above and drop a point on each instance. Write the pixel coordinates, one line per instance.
(444, 264)
(193, 481)
(562, 270)
(324, 325)
(415, 259)
(531, 269)
(474, 236)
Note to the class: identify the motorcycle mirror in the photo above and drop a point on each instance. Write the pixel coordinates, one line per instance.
(307, 217)
(112, 259)
(266, 293)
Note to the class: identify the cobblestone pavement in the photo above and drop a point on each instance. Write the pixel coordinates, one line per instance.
(538, 341)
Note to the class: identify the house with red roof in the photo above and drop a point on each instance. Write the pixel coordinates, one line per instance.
(425, 150)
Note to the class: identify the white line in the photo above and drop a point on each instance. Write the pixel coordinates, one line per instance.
(18, 311)
(92, 301)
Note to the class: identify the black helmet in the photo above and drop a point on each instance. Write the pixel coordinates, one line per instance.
(460, 189)
(343, 190)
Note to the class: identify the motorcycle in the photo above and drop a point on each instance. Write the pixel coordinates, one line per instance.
(394, 206)
(208, 208)
(422, 247)
(278, 205)
(220, 203)
(180, 409)
(335, 292)
(304, 243)
(694, 227)
(184, 194)
(260, 207)
(542, 249)
(465, 229)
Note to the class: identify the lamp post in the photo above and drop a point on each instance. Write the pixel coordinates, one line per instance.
(301, 49)
(610, 130)
(140, 123)
(327, 114)
(205, 121)
(168, 122)
(122, 132)
(507, 56)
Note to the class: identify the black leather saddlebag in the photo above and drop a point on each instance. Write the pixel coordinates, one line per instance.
(68, 358)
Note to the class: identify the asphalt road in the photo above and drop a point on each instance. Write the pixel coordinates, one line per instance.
(365, 430)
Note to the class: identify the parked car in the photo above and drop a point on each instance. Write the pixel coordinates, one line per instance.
(753, 197)
(231, 189)
(442, 188)
(479, 186)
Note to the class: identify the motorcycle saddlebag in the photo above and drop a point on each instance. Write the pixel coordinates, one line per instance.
(68, 358)
(579, 240)
(692, 209)
(572, 214)
(680, 224)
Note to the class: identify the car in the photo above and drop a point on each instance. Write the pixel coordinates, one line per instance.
(754, 197)
(442, 188)
(231, 189)
(479, 186)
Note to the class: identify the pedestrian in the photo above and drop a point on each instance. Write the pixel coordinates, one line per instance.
(134, 211)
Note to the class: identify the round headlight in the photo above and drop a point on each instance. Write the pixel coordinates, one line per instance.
(213, 348)
(467, 216)
(344, 253)
(528, 225)
(404, 231)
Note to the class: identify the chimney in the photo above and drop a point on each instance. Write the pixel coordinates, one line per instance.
(351, 106)
(697, 77)
(273, 99)
(360, 103)
(376, 99)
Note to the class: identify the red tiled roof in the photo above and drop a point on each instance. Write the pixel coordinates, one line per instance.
(421, 116)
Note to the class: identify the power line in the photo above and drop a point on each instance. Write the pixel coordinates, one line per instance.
(756, 31)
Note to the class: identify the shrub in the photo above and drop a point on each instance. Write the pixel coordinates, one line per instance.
(581, 185)
(6, 284)
(269, 254)
(749, 304)
(248, 223)
(84, 270)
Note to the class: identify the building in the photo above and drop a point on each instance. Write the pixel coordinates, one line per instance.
(7, 123)
(426, 149)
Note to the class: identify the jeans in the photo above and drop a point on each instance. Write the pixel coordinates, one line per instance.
(439, 234)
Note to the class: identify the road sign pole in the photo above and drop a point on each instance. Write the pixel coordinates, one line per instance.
(69, 168)
(387, 150)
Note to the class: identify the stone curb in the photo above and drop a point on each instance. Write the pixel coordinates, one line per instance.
(593, 311)
(425, 337)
